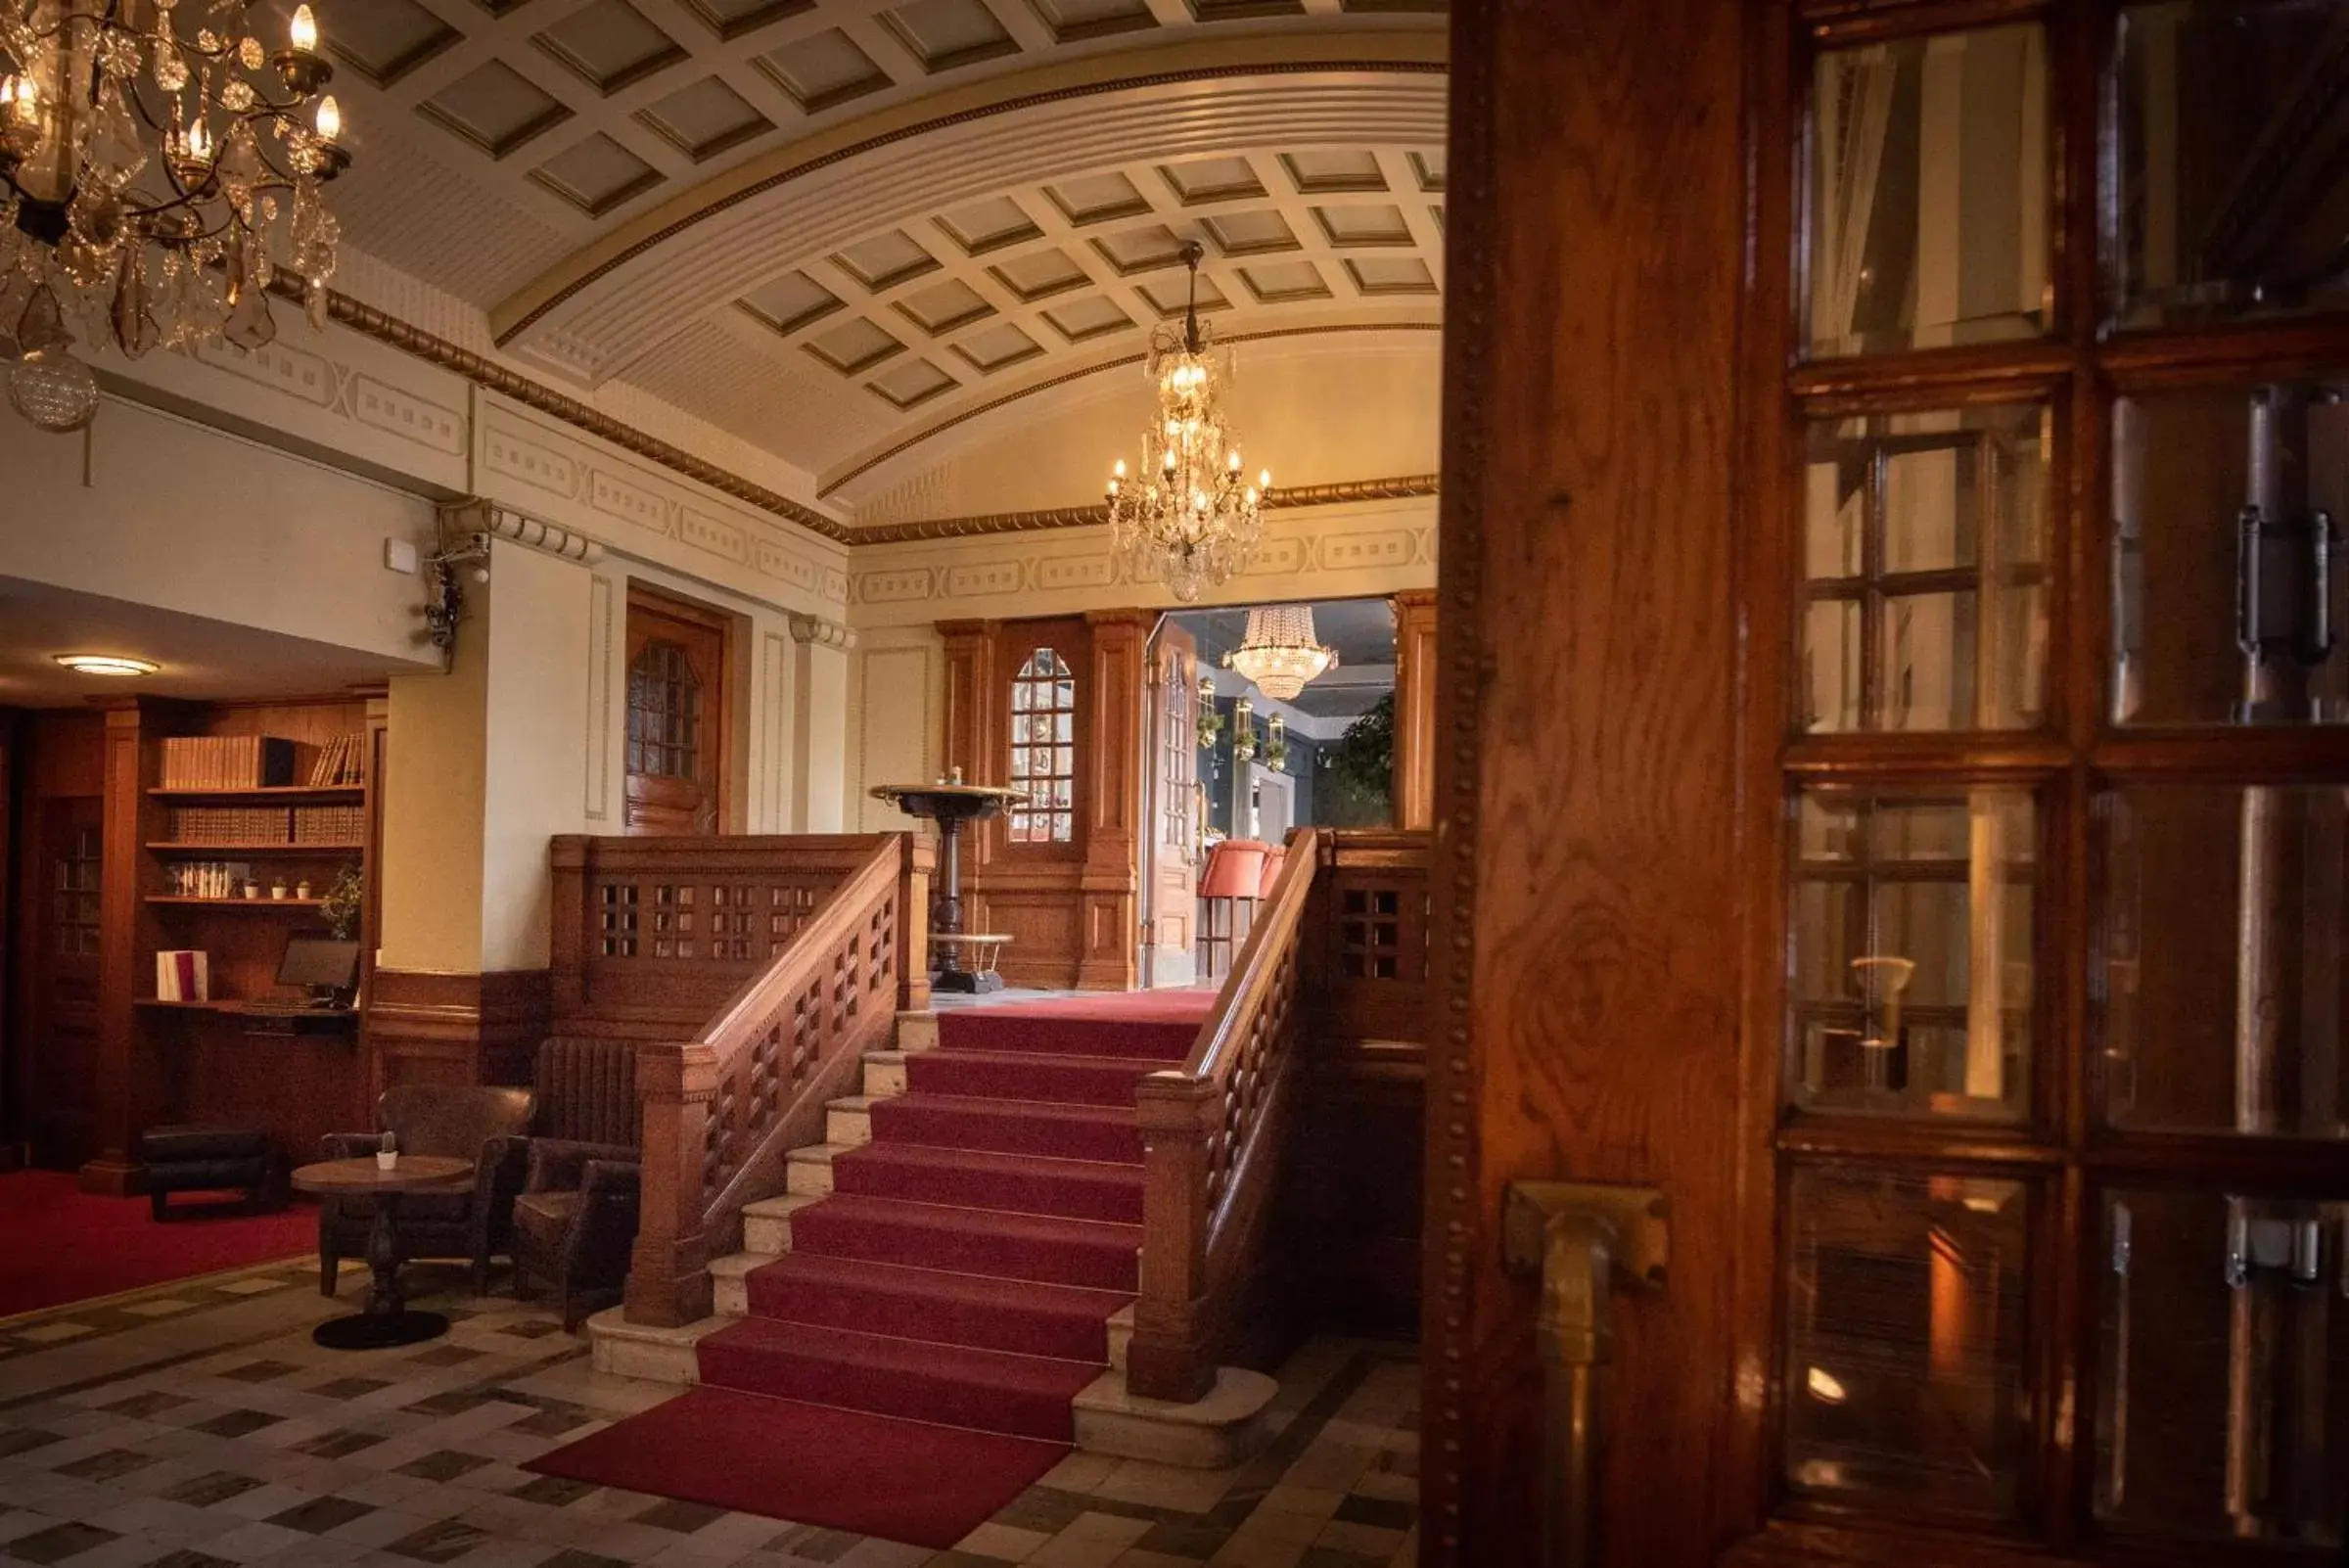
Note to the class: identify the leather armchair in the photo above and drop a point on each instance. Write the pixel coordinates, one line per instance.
(489, 1126)
(575, 1222)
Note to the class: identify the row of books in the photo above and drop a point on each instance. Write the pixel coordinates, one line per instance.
(340, 761)
(330, 824)
(183, 974)
(268, 824)
(226, 762)
(207, 879)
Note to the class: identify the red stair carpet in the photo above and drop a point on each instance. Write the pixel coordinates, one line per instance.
(906, 1369)
(59, 1244)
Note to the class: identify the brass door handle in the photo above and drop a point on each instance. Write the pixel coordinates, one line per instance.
(1581, 1242)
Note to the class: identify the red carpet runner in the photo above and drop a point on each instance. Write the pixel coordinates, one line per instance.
(65, 1245)
(906, 1369)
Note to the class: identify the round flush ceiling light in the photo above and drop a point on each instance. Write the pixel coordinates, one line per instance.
(105, 665)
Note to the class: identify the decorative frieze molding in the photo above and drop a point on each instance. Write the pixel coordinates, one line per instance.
(410, 339)
(817, 631)
(1367, 547)
(1402, 486)
(542, 468)
(502, 522)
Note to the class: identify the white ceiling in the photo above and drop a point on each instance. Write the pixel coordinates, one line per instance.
(840, 228)
(198, 658)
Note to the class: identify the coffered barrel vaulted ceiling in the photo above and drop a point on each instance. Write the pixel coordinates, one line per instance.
(883, 242)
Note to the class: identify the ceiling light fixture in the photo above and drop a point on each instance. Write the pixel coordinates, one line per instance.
(1280, 652)
(158, 170)
(1190, 516)
(105, 665)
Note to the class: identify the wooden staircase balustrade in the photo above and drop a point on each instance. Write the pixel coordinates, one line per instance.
(720, 1111)
(1211, 1138)
(652, 935)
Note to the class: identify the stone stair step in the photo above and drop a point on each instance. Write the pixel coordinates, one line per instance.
(808, 1170)
(766, 1223)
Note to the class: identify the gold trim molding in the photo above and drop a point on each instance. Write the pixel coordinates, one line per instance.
(1400, 488)
(413, 340)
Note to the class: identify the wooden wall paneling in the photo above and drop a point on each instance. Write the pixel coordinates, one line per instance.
(1415, 789)
(1588, 985)
(12, 1044)
(433, 1028)
(61, 774)
(1112, 737)
(126, 934)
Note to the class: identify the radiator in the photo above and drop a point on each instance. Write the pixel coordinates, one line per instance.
(587, 1091)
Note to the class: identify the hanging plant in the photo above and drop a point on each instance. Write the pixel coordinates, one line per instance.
(1276, 744)
(340, 908)
(1211, 726)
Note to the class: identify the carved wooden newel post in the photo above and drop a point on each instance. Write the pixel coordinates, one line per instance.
(669, 1272)
(1178, 1116)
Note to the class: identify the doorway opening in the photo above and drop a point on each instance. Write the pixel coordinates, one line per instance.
(1237, 766)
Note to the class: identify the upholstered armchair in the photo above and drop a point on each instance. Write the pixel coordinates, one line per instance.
(488, 1127)
(575, 1222)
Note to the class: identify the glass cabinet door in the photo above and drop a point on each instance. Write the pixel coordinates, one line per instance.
(2061, 946)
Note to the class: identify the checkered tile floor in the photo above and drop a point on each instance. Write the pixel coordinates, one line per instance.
(194, 1425)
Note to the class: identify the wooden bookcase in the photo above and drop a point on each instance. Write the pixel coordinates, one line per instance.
(293, 1075)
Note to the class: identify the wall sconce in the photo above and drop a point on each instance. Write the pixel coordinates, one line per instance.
(445, 592)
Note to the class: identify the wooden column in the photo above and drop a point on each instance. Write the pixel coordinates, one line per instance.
(1414, 787)
(1588, 878)
(122, 936)
(1112, 731)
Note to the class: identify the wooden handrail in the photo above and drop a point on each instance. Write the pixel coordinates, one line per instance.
(1212, 1133)
(721, 1110)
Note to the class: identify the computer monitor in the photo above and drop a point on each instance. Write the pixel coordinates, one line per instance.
(320, 963)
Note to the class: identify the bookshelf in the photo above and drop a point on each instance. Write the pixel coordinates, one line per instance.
(271, 793)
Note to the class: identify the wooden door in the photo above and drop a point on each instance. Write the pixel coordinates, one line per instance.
(1171, 847)
(678, 757)
(1894, 458)
(61, 958)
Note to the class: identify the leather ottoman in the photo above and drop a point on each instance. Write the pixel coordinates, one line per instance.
(201, 1158)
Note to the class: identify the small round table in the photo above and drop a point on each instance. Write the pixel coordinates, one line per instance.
(387, 1321)
(951, 804)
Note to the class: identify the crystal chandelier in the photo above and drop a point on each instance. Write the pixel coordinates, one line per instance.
(1191, 516)
(160, 168)
(1279, 653)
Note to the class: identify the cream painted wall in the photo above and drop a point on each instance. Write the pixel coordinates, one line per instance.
(1316, 410)
(896, 721)
(537, 721)
(435, 792)
(159, 511)
(822, 730)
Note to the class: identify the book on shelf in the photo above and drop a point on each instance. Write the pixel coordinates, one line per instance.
(226, 762)
(183, 975)
(338, 764)
(207, 879)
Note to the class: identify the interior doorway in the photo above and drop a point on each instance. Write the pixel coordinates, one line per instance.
(679, 755)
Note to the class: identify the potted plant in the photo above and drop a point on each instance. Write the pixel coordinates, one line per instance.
(345, 897)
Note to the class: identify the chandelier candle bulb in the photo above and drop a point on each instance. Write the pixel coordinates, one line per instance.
(139, 202)
(1199, 522)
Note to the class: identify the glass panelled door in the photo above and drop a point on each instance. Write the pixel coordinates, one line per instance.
(2061, 1161)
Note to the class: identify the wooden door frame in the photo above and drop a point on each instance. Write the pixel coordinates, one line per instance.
(1152, 850)
(1587, 1018)
(659, 601)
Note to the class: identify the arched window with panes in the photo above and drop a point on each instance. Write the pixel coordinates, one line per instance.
(1043, 750)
